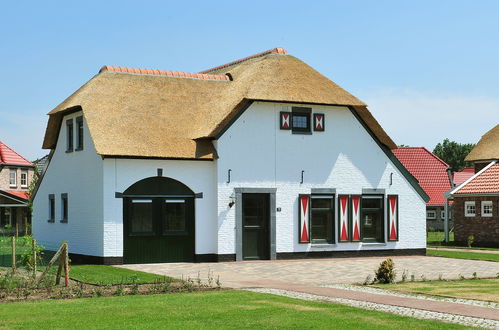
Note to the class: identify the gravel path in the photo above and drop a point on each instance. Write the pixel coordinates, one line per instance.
(375, 290)
(411, 312)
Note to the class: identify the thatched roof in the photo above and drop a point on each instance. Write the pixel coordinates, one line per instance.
(487, 148)
(176, 116)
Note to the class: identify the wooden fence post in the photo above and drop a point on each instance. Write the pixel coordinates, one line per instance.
(33, 246)
(13, 242)
(66, 265)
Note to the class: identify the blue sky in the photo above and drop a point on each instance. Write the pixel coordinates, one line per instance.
(427, 69)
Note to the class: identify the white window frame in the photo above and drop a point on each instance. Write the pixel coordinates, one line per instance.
(487, 203)
(13, 183)
(466, 213)
(442, 215)
(433, 217)
(25, 174)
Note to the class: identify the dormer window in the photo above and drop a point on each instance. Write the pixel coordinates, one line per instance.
(300, 120)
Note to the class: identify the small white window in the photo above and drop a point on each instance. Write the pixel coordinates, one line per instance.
(442, 215)
(431, 214)
(487, 209)
(469, 209)
(13, 178)
(24, 179)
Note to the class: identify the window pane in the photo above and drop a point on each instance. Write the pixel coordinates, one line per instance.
(174, 216)
(321, 220)
(141, 217)
(12, 177)
(300, 121)
(372, 220)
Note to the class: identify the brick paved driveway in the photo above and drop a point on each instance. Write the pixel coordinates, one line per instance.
(321, 271)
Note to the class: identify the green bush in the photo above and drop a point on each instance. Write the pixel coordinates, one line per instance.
(470, 240)
(385, 273)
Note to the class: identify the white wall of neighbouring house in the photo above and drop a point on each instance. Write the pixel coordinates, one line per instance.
(78, 174)
(344, 156)
(199, 176)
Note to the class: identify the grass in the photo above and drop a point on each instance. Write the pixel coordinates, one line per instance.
(207, 310)
(107, 275)
(436, 239)
(487, 290)
(463, 255)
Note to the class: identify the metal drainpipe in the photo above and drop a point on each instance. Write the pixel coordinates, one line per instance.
(446, 206)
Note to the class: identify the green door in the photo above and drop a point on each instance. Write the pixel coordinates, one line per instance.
(256, 221)
(158, 227)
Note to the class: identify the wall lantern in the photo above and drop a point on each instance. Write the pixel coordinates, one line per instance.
(232, 200)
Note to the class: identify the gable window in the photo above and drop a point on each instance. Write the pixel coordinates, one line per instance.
(322, 219)
(24, 179)
(469, 209)
(372, 218)
(13, 177)
(300, 120)
(79, 133)
(487, 209)
(69, 135)
(51, 208)
(431, 215)
(64, 207)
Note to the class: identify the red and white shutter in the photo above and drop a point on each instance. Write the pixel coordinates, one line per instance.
(285, 120)
(304, 215)
(393, 217)
(356, 218)
(343, 216)
(319, 122)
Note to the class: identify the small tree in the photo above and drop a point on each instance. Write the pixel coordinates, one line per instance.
(385, 273)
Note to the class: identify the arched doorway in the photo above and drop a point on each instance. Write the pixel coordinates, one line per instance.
(158, 221)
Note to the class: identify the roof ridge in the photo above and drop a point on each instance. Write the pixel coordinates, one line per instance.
(438, 158)
(277, 50)
(462, 185)
(6, 146)
(176, 74)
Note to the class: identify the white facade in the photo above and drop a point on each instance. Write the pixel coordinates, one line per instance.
(260, 155)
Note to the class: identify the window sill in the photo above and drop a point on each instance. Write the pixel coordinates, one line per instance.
(50, 221)
(69, 151)
(63, 221)
(322, 245)
(13, 186)
(301, 133)
(78, 149)
(373, 244)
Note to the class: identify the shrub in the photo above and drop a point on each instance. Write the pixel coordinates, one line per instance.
(385, 273)
(470, 240)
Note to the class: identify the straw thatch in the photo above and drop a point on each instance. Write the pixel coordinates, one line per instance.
(487, 148)
(169, 117)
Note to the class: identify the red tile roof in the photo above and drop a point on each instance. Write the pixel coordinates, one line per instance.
(178, 74)
(19, 193)
(465, 174)
(485, 181)
(277, 50)
(428, 169)
(9, 156)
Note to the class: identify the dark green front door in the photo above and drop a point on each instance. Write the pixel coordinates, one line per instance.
(256, 221)
(158, 229)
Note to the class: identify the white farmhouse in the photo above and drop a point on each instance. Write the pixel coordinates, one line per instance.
(261, 158)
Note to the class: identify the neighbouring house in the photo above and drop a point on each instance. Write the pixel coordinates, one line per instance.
(476, 200)
(16, 174)
(433, 175)
(41, 164)
(260, 158)
(463, 175)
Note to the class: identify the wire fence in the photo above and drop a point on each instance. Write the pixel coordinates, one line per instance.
(20, 253)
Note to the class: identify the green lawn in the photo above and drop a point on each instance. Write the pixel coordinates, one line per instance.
(487, 290)
(100, 274)
(206, 310)
(437, 238)
(463, 255)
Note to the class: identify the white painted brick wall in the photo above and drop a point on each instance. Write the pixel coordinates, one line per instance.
(344, 157)
(79, 174)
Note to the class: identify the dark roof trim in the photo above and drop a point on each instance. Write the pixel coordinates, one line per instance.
(14, 197)
(409, 177)
(16, 165)
(160, 158)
